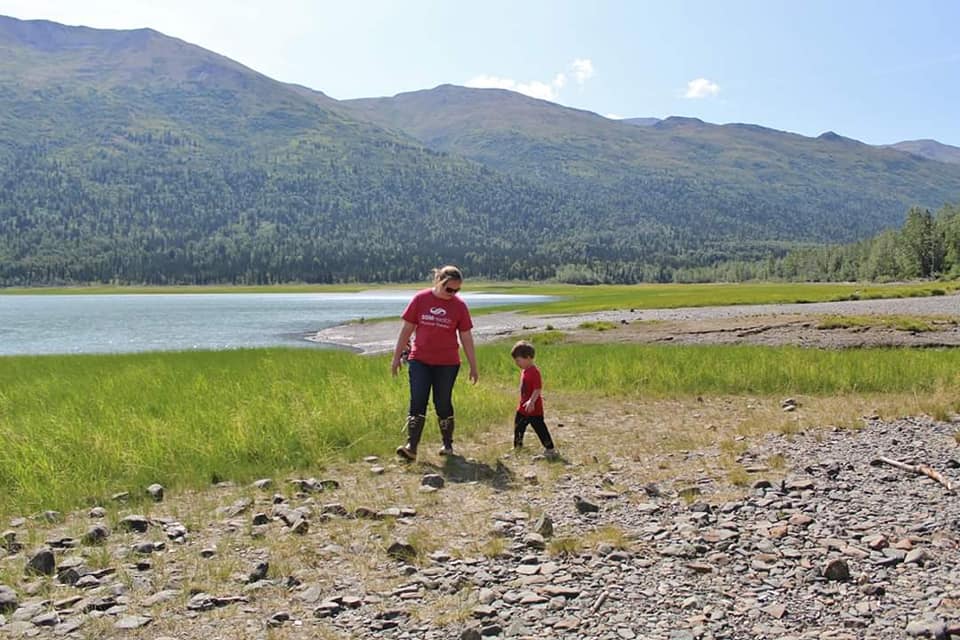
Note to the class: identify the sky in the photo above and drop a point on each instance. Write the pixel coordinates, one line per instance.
(879, 71)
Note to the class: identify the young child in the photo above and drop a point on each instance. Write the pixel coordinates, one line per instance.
(530, 410)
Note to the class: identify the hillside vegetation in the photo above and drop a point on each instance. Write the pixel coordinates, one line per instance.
(134, 157)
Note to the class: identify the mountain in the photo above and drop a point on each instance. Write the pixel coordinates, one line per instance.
(641, 122)
(132, 156)
(738, 182)
(930, 149)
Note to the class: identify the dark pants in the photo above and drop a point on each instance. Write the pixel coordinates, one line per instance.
(439, 378)
(520, 423)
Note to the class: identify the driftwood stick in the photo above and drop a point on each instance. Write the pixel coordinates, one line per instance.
(599, 602)
(920, 469)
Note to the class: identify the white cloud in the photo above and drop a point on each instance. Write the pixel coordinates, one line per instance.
(701, 88)
(582, 69)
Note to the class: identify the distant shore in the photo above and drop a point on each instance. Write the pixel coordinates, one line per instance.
(380, 336)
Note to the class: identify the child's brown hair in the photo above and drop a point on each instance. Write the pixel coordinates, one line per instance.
(523, 349)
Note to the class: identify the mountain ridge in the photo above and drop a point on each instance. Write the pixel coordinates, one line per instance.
(133, 156)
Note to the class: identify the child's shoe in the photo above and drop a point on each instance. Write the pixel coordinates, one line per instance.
(551, 454)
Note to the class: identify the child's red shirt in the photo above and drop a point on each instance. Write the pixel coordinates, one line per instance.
(530, 381)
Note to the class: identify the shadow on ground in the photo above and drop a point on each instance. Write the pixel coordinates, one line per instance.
(459, 469)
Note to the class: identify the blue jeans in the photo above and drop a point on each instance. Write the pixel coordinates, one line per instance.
(439, 378)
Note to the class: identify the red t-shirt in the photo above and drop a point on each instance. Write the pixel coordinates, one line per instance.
(438, 321)
(530, 381)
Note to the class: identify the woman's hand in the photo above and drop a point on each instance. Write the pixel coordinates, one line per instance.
(395, 366)
(474, 375)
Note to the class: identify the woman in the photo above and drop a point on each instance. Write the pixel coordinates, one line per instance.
(434, 318)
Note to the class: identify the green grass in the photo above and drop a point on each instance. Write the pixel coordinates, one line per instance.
(632, 370)
(598, 325)
(901, 323)
(76, 429)
(584, 299)
(83, 427)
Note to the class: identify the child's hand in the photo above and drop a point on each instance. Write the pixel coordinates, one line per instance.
(528, 406)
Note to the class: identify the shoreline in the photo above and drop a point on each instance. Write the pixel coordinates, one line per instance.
(378, 337)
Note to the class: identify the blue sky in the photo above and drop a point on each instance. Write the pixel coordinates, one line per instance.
(879, 71)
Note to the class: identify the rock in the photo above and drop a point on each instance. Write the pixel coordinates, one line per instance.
(584, 506)
(260, 519)
(836, 570)
(123, 496)
(134, 523)
(327, 609)
(263, 484)
(483, 611)
(432, 480)
(535, 541)
(97, 534)
(42, 562)
(377, 470)
(97, 512)
(402, 550)
(918, 556)
(776, 611)
(155, 491)
(544, 526)
(160, 597)
(300, 526)
(928, 628)
(144, 548)
(470, 634)
(334, 509)
(133, 622)
(46, 619)
(486, 596)
(259, 572)
(365, 513)
(8, 599)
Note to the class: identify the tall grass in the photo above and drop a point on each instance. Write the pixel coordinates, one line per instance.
(630, 370)
(76, 429)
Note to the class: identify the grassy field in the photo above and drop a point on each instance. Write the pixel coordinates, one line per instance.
(584, 299)
(77, 429)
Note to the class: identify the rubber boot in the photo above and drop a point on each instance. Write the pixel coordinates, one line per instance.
(446, 433)
(414, 431)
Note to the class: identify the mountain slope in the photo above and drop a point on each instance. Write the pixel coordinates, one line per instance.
(132, 156)
(731, 181)
(930, 149)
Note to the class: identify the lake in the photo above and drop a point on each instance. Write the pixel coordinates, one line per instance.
(47, 324)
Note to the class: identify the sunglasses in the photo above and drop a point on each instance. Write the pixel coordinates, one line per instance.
(451, 290)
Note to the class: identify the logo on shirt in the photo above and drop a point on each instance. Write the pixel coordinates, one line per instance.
(438, 311)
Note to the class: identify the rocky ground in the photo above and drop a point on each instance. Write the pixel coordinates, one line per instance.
(817, 540)
(770, 324)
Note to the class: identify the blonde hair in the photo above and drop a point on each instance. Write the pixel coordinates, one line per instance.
(449, 272)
